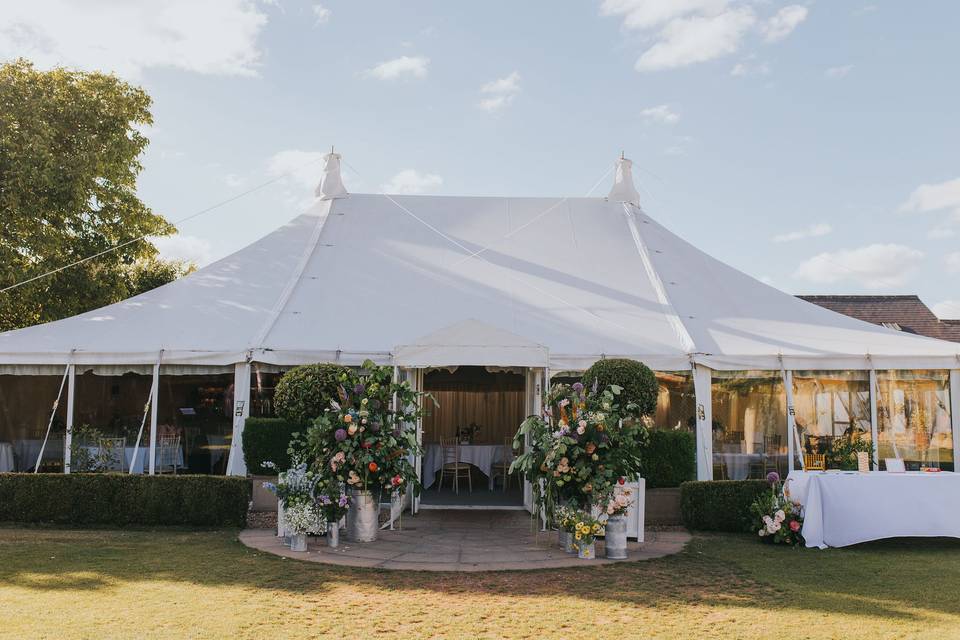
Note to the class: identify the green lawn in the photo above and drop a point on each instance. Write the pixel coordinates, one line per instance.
(175, 583)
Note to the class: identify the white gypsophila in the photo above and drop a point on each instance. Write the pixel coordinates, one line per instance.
(302, 518)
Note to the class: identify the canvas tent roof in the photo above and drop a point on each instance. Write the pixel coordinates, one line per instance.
(483, 278)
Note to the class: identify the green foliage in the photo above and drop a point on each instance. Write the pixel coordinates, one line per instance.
(842, 453)
(123, 499)
(720, 505)
(71, 143)
(268, 440)
(305, 392)
(670, 458)
(638, 382)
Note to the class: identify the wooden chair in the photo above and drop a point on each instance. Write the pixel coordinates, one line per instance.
(450, 465)
(502, 469)
(113, 450)
(168, 449)
(814, 462)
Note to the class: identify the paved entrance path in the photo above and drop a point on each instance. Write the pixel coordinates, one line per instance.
(461, 541)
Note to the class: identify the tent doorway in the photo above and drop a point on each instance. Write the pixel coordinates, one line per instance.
(476, 416)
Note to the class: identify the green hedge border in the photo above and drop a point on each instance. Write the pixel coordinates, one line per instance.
(118, 499)
(670, 458)
(267, 440)
(719, 505)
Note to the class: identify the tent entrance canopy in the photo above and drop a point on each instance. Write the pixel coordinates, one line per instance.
(471, 342)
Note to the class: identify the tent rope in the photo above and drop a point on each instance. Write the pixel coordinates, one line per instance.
(53, 413)
(143, 422)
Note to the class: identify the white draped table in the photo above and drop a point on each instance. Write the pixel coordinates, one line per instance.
(143, 457)
(6, 457)
(844, 508)
(482, 456)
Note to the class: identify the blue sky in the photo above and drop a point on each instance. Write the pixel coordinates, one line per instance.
(813, 145)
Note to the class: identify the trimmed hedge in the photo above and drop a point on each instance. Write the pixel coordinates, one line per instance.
(267, 440)
(638, 381)
(123, 499)
(305, 392)
(670, 458)
(719, 505)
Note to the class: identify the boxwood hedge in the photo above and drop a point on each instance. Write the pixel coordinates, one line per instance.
(267, 440)
(122, 499)
(719, 505)
(670, 458)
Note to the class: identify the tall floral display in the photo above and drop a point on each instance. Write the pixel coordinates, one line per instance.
(365, 441)
(585, 445)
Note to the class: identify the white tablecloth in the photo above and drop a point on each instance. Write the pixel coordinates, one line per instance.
(738, 464)
(143, 457)
(841, 509)
(28, 450)
(482, 456)
(6, 457)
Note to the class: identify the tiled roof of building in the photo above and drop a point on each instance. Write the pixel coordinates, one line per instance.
(904, 313)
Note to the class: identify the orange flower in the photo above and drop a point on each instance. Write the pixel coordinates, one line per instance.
(373, 467)
(591, 447)
(348, 418)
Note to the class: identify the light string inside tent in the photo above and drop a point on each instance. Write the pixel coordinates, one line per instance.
(478, 257)
(175, 223)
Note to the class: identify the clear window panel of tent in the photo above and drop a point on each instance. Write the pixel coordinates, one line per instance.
(749, 424)
(26, 402)
(263, 385)
(914, 422)
(109, 409)
(831, 407)
(195, 422)
(676, 401)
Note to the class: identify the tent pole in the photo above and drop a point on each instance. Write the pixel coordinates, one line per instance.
(874, 417)
(53, 414)
(143, 422)
(792, 435)
(702, 384)
(236, 465)
(955, 413)
(71, 394)
(154, 393)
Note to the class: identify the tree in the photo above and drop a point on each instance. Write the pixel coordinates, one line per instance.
(70, 144)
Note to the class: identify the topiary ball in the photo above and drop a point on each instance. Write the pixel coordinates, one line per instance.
(305, 392)
(638, 381)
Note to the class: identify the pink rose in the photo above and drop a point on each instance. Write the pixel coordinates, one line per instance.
(794, 526)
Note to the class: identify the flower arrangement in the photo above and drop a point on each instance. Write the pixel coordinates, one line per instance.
(586, 528)
(566, 518)
(364, 439)
(468, 433)
(332, 501)
(779, 519)
(295, 489)
(303, 517)
(619, 502)
(583, 446)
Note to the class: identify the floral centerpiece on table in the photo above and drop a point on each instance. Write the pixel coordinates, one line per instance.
(584, 445)
(365, 438)
(778, 519)
(295, 490)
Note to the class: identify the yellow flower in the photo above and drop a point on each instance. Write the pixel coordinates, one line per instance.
(577, 535)
(596, 528)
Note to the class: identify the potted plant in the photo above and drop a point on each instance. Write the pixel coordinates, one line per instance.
(586, 528)
(615, 537)
(334, 505)
(295, 491)
(566, 519)
(363, 442)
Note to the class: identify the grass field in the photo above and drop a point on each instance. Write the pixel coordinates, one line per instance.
(175, 583)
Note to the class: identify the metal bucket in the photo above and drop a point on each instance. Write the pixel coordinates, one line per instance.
(363, 520)
(298, 542)
(333, 534)
(571, 545)
(616, 538)
(587, 551)
(562, 538)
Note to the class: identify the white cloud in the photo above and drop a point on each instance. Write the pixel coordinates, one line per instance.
(934, 197)
(783, 22)
(947, 310)
(404, 66)
(183, 247)
(941, 233)
(838, 72)
(686, 41)
(952, 260)
(680, 146)
(305, 167)
(411, 181)
(813, 231)
(320, 13)
(127, 37)
(646, 14)
(750, 68)
(502, 91)
(876, 266)
(661, 113)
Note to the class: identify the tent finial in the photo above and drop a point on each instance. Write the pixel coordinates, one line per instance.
(331, 187)
(623, 189)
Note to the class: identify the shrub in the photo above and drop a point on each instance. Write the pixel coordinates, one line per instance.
(638, 381)
(305, 392)
(122, 499)
(267, 440)
(719, 505)
(670, 458)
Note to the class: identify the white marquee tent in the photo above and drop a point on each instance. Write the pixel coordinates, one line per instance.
(417, 281)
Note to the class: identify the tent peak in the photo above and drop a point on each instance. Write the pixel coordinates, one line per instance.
(331, 186)
(623, 189)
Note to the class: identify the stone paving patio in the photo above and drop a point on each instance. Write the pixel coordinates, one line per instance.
(441, 540)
